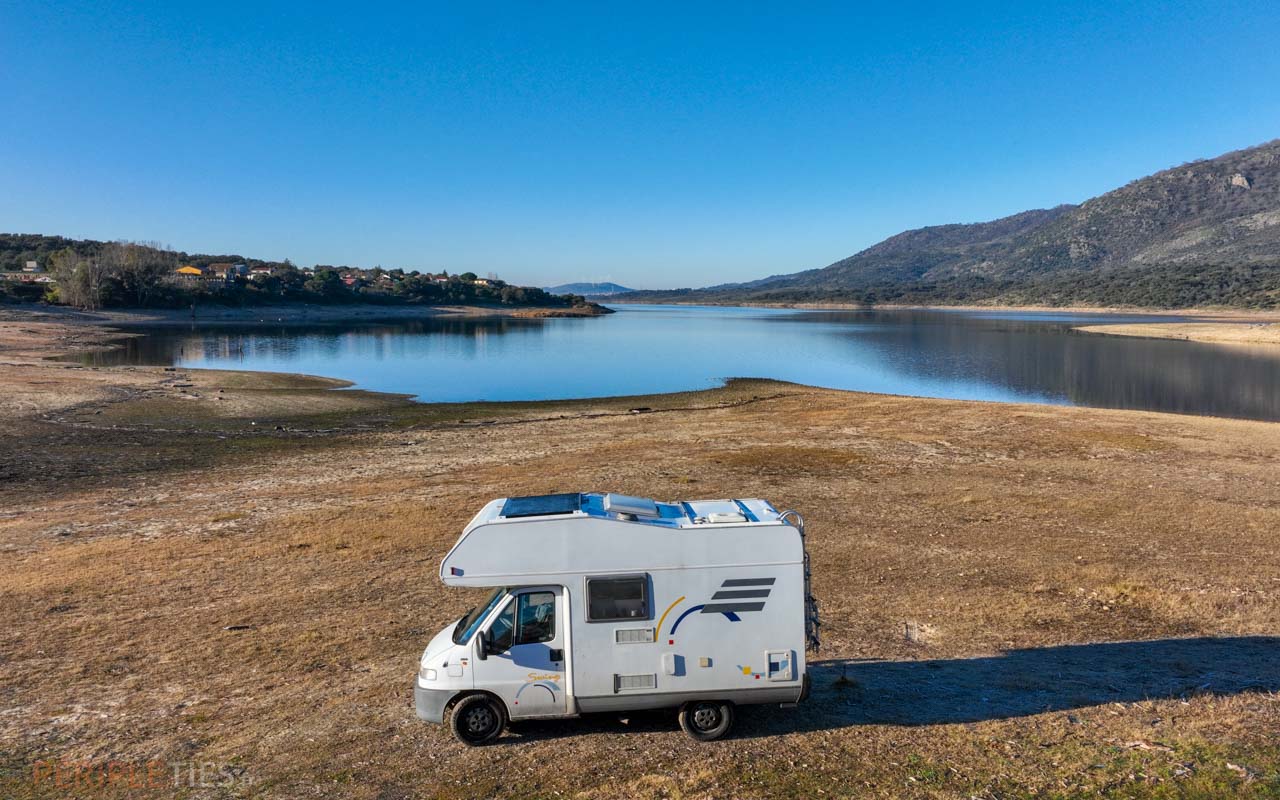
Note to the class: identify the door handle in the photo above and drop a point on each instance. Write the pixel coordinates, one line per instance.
(557, 654)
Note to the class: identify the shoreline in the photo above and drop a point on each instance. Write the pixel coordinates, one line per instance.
(289, 315)
(78, 332)
(1259, 333)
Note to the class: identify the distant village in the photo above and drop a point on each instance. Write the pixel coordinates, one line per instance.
(125, 275)
(352, 278)
(31, 272)
(90, 274)
(228, 273)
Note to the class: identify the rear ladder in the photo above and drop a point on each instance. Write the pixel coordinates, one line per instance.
(811, 621)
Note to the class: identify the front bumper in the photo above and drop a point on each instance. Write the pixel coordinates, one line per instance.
(429, 703)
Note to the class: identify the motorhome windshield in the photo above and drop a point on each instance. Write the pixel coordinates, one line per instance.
(471, 620)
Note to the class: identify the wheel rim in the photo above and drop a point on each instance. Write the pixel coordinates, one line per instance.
(705, 716)
(479, 721)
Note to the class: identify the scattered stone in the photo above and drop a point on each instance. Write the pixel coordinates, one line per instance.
(1140, 745)
(918, 632)
(1247, 772)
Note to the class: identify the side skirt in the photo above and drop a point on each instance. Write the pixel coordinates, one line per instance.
(742, 697)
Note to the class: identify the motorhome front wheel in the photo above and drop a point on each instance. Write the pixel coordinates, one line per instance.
(478, 719)
(706, 720)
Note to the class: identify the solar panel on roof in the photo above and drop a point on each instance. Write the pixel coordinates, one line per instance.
(542, 505)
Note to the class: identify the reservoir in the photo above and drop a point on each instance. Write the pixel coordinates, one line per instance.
(1002, 356)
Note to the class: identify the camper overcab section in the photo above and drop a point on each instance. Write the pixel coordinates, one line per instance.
(604, 602)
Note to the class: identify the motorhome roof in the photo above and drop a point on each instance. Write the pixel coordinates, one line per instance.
(535, 540)
(676, 514)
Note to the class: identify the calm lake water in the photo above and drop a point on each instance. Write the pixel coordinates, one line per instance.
(1001, 356)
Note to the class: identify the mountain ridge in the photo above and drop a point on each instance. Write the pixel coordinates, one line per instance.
(1203, 232)
(584, 288)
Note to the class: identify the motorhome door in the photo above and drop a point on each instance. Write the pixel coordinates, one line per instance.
(526, 657)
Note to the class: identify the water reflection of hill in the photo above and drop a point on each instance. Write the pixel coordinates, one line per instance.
(1040, 358)
(284, 343)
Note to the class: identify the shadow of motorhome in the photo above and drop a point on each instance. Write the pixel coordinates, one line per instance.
(1020, 683)
(1016, 683)
(634, 722)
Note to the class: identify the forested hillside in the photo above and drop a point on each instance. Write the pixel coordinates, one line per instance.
(92, 274)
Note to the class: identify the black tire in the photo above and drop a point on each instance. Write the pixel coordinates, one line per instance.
(478, 719)
(706, 720)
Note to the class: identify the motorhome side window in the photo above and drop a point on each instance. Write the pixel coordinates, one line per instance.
(617, 598)
(528, 619)
(536, 618)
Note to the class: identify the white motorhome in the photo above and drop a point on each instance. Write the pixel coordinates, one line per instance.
(604, 602)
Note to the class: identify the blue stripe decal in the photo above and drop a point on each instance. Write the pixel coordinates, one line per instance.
(729, 615)
(680, 618)
(739, 594)
(720, 608)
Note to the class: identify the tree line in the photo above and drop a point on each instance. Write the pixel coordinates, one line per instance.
(97, 275)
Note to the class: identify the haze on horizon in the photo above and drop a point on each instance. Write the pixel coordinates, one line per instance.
(654, 147)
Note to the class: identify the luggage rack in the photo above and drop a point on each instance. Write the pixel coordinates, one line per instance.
(812, 623)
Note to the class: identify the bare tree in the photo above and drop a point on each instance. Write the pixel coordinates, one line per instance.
(81, 279)
(140, 268)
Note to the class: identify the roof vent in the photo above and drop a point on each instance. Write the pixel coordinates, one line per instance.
(725, 516)
(716, 511)
(624, 504)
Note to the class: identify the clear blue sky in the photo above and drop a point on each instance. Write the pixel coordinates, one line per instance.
(654, 146)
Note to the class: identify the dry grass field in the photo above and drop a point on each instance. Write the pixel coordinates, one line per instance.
(239, 570)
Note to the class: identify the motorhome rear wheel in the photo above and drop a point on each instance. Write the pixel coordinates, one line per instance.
(706, 720)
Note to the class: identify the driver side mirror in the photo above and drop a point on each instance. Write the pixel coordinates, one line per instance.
(482, 645)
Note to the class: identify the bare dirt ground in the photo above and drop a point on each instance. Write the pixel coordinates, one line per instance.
(1236, 333)
(239, 570)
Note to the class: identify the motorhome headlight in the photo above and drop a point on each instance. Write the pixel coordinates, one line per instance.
(426, 673)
